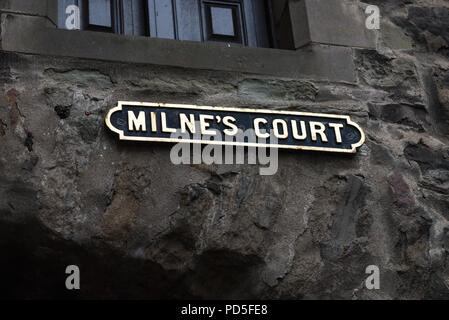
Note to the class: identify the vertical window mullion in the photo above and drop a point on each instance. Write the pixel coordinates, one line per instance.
(117, 13)
(271, 24)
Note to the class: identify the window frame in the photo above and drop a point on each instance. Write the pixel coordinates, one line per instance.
(238, 21)
(247, 33)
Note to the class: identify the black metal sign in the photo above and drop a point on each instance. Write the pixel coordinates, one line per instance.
(234, 126)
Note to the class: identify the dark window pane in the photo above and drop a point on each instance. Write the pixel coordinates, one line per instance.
(262, 25)
(100, 13)
(133, 16)
(256, 23)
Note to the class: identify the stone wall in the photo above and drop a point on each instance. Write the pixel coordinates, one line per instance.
(140, 227)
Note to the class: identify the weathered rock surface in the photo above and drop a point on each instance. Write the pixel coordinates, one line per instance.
(141, 227)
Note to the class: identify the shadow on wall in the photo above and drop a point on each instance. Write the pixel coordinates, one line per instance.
(33, 260)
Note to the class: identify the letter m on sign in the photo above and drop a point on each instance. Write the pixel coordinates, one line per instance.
(136, 123)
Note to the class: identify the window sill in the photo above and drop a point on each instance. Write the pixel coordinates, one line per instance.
(33, 35)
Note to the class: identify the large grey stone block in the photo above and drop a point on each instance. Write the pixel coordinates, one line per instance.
(44, 8)
(335, 22)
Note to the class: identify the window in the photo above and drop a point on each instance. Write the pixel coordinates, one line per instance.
(240, 22)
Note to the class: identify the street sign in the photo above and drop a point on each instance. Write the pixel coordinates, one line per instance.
(160, 122)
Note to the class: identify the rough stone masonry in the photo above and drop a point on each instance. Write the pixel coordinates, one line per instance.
(140, 227)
